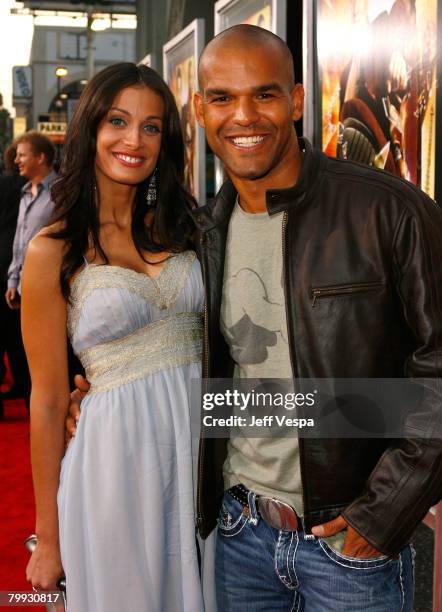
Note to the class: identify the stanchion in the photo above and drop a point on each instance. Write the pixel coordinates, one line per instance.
(60, 606)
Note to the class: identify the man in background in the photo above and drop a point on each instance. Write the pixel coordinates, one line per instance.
(35, 156)
(11, 184)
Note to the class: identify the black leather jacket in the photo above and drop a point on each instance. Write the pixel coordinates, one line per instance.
(373, 244)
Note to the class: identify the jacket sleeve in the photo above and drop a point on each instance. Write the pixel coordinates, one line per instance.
(407, 480)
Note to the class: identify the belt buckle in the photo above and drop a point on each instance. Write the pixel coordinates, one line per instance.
(277, 513)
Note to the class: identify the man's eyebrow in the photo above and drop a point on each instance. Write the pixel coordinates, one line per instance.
(269, 87)
(216, 92)
(260, 89)
(125, 112)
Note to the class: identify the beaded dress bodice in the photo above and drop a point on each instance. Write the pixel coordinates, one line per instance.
(124, 325)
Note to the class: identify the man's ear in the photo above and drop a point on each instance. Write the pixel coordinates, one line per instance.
(297, 101)
(199, 108)
(41, 159)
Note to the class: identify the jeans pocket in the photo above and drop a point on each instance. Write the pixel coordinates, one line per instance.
(354, 562)
(231, 519)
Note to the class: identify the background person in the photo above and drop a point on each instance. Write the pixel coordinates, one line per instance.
(35, 154)
(10, 336)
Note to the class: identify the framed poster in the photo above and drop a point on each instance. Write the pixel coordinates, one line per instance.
(312, 110)
(377, 67)
(149, 60)
(180, 59)
(268, 14)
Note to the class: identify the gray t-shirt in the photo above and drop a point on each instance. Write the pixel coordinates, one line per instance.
(253, 321)
(254, 324)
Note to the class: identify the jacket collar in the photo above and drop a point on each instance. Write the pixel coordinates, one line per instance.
(219, 210)
(310, 175)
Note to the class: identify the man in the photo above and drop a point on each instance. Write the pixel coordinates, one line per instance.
(10, 338)
(35, 155)
(337, 269)
(359, 253)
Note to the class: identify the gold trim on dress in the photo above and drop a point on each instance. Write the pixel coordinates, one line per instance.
(173, 341)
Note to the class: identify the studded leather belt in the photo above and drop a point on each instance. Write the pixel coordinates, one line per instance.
(276, 513)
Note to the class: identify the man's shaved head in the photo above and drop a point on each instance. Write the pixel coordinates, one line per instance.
(246, 37)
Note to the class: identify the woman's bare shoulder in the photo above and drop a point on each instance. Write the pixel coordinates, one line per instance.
(44, 250)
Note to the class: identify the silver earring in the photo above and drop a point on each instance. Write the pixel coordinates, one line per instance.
(151, 196)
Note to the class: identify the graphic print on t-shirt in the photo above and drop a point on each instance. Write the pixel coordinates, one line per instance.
(255, 320)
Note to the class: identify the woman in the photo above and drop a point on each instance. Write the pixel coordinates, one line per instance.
(117, 271)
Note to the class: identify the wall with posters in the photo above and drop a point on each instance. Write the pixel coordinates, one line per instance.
(369, 69)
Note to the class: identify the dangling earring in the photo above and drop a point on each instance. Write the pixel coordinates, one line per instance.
(95, 196)
(151, 196)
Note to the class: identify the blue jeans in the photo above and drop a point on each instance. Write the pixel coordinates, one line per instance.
(260, 568)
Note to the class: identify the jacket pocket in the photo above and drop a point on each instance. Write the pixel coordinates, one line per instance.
(330, 291)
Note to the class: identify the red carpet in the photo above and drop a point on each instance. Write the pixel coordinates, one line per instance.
(17, 519)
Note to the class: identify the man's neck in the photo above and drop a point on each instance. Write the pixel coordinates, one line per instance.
(252, 193)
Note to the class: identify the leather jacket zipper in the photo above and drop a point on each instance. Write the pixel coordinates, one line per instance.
(291, 336)
(284, 275)
(321, 292)
(205, 375)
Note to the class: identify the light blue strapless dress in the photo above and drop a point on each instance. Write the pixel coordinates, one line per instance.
(126, 496)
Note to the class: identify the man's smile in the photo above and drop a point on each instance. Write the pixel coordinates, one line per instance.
(248, 143)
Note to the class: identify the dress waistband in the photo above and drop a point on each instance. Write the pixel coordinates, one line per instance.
(170, 342)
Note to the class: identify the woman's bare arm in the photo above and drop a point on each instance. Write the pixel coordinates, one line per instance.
(44, 335)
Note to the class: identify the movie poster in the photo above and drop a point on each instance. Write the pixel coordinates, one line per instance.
(263, 13)
(180, 56)
(377, 67)
(262, 18)
(182, 85)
